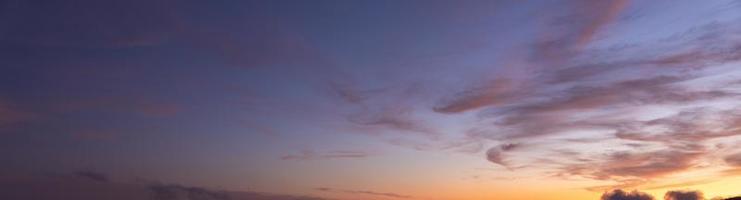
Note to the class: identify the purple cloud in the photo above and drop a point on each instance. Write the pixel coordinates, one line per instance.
(622, 195)
(683, 195)
(312, 155)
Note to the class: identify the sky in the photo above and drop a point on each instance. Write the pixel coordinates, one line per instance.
(361, 99)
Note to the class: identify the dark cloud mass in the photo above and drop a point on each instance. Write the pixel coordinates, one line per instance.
(670, 195)
(84, 187)
(622, 195)
(684, 195)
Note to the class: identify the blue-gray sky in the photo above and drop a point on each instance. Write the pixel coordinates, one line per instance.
(376, 99)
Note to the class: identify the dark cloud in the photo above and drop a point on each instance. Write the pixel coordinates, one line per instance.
(622, 195)
(312, 155)
(684, 195)
(177, 192)
(125, 104)
(50, 187)
(365, 192)
(259, 40)
(496, 154)
(88, 23)
(92, 175)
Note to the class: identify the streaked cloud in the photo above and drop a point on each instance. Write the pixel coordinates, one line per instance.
(365, 192)
(312, 155)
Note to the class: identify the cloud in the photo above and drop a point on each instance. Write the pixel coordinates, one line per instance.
(683, 127)
(365, 192)
(642, 165)
(101, 24)
(496, 92)
(312, 155)
(83, 187)
(570, 32)
(622, 195)
(393, 119)
(619, 194)
(92, 175)
(177, 192)
(261, 39)
(683, 195)
(496, 154)
(733, 159)
(382, 109)
(126, 104)
(10, 113)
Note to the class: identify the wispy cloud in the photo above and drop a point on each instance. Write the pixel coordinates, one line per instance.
(496, 92)
(365, 192)
(312, 155)
(92, 175)
(496, 154)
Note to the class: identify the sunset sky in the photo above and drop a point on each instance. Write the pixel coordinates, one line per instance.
(370, 99)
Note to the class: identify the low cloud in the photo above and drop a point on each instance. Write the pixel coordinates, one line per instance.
(619, 194)
(177, 192)
(622, 195)
(365, 192)
(684, 195)
(89, 186)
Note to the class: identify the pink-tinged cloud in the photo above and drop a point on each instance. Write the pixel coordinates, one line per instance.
(11, 114)
(574, 30)
(493, 93)
(605, 13)
(365, 192)
(733, 159)
(138, 105)
(312, 155)
(635, 165)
